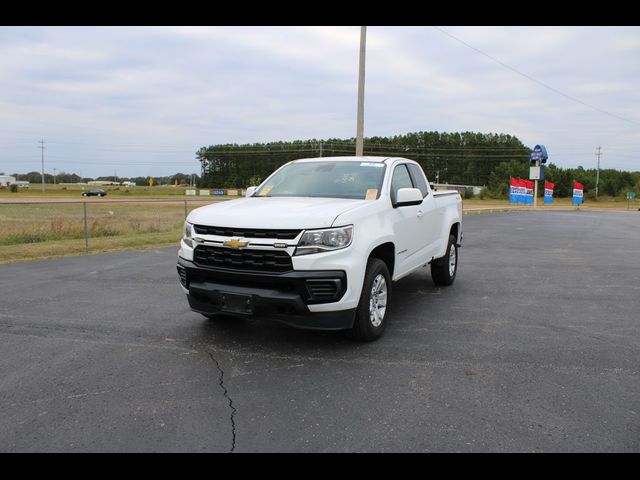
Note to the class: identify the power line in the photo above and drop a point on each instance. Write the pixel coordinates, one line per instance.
(529, 77)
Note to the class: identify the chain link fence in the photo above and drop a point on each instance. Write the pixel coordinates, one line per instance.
(39, 229)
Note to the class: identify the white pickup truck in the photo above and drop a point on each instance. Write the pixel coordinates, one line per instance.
(318, 244)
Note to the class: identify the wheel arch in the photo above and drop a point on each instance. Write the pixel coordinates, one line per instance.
(387, 253)
(456, 231)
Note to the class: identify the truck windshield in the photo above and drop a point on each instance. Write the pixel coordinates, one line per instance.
(359, 180)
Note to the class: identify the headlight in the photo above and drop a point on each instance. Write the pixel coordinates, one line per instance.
(316, 241)
(188, 234)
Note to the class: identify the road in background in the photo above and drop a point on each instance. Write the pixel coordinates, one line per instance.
(536, 347)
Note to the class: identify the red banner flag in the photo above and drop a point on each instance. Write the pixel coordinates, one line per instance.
(578, 193)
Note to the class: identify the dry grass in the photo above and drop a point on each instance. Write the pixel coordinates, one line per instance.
(29, 232)
(606, 202)
(45, 231)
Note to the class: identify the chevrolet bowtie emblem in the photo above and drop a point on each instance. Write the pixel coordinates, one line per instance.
(235, 243)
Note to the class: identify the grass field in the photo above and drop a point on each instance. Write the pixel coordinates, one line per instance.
(29, 232)
(604, 202)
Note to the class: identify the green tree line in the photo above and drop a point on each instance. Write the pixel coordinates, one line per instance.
(64, 177)
(467, 158)
(463, 158)
(612, 183)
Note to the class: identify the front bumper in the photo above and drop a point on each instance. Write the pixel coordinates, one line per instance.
(279, 296)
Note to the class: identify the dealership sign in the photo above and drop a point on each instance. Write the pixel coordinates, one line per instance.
(578, 193)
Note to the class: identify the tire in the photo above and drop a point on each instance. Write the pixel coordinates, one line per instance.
(369, 326)
(444, 270)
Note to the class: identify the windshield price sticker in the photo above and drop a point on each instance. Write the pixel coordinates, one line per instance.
(371, 164)
(372, 194)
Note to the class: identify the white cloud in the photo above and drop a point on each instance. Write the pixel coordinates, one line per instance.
(184, 87)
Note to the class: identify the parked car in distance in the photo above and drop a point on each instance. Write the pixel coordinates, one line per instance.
(94, 193)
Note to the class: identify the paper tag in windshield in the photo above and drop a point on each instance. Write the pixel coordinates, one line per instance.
(371, 164)
(372, 194)
(265, 191)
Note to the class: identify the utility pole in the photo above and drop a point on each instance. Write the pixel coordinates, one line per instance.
(42, 147)
(535, 187)
(598, 172)
(321, 149)
(360, 120)
(54, 175)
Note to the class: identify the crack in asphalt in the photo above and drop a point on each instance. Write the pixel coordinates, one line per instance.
(231, 407)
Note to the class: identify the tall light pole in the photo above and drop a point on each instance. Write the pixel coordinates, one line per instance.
(360, 122)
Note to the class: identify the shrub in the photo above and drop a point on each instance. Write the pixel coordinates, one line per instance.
(468, 193)
(13, 188)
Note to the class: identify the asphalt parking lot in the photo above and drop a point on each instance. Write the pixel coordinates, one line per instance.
(536, 347)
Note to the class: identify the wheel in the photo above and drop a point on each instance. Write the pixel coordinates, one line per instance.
(443, 270)
(371, 319)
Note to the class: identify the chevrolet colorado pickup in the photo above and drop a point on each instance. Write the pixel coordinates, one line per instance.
(319, 243)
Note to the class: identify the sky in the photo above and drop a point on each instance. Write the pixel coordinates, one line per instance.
(139, 101)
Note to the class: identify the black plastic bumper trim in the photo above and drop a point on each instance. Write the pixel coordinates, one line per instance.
(293, 281)
(208, 286)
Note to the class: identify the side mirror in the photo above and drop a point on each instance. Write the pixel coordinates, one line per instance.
(250, 191)
(408, 196)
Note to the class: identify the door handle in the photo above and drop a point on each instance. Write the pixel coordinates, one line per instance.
(420, 213)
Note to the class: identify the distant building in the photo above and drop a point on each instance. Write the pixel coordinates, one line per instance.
(103, 183)
(6, 180)
(128, 184)
(459, 188)
(22, 184)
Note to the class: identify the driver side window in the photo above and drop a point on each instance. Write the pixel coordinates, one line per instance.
(401, 179)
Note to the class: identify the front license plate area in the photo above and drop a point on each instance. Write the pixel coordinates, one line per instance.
(232, 302)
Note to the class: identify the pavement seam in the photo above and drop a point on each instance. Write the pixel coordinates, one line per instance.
(231, 407)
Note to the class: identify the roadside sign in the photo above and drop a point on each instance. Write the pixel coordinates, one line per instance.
(631, 195)
(536, 173)
(539, 154)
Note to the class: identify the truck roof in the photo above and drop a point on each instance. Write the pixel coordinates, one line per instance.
(345, 158)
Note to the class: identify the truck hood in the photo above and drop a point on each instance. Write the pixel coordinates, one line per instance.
(273, 212)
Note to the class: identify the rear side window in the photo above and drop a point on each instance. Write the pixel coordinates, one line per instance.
(418, 178)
